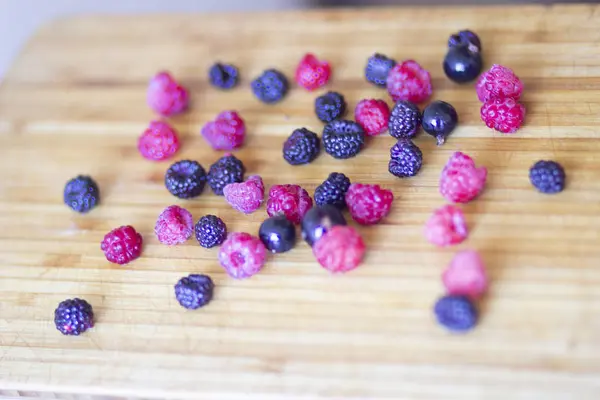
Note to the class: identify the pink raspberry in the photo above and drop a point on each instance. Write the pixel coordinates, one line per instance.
(175, 225)
(242, 255)
(461, 181)
(289, 200)
(340, 249)
(158, 142)
(226, 132)
(246, 196)
(498, 83)
(504, 115)
(466, 276)
(408, 81)
(368, 204)
(122, 245)
(166, 96)
(447, 226)
(311, 73)
(373, 115)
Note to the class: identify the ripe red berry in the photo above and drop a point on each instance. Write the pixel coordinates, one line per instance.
(289, 200)
(122, 245)
(246, 196)
(504, 115)
(158, 142)
(461, 181)
(373, 115)
(499, 82)
(340, 249)
(166, 96)
(312, 73)
(408, 81)
(368, 204)
(446, 227)
(466, 276)
(226, 132)
(174, 226)
(242, 255)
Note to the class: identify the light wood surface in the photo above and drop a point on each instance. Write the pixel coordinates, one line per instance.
(74, 102)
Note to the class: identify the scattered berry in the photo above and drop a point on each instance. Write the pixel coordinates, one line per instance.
(333, 190)
(73, 316)
(405, 119)
(341, 249)
(289, 200)
(185, 179)
(270, 87)
(278, 234)
(224, 76)
(122, 245)
(547, 176)
(406, 159)
(409, 81)
(330, 106)
(463, 63)
(446, 226)
(499, 83)
(158, 142)
(378, 68)
(465, 38)
(318, 220)
(194, 291)
(368, 204)
(343, 139)
(246, 197)
(456, 313)
(242, 255)
(503, 115)
(302, 147)
(439, 120)
(311, 73)
(81, 194)
(165, 96)
(466, 276)
(373, 115)
(226, 132)
(227, 169)
(175, 225)
(461, 181)
(211, 231)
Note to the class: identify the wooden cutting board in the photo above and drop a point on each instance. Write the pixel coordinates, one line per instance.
(74, 102)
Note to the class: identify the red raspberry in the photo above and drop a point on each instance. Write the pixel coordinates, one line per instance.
(166, 96)
(290, 200)
(311, 73)
(408, 81)
(175, 225)
(503, 115)
(340, 249)
(158, 142)
(466, 276)
(373, 115)
(447, 226)
(242, 255)
(368, 204)
(246, 196)
(226, 132)
(122, 245)
(498, 83)
(461, 181)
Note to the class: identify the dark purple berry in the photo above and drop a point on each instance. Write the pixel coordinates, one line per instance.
(439, 120)
(227, 169)
(405, 119)
(270, 87)
(547, 177)
(81, 194)
(465, 38)
(343, 139)
(210, 231)
(330, 106)
(406, 159)
(74, 316)
(456, 313)
(194, 291)
(224, 76)
(333, 191)
(278, 234)
(462, 65)
(378, 68)
(302, 147)
(318, 220)
(185, 179)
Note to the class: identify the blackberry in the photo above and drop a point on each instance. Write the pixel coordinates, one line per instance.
(302, 147)
(270, 87)
(227, 169)
(185, 179)
(343, 139)
(404, 120)
(439, 120)
(224, 76)
(194, 291)
(330, 106)
(456, 313)
(81, 194)
(406, 159)
(333, 191)
(378, 68)
(547, 176)
(210, 231)
(73, 316)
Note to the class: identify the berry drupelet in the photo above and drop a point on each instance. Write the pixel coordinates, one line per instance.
(227, 169)
(194, 291)
(333, 191)
(73, 317)
(210, 231)
(439, 120)
(378, 68)
(456, 313)
(330, 106)
(302, 147)
(185, 179)
(223, 76)
(547, 177)
(278, 234)
(318, 220)
(343, 139)
(405, 120)
(406, 159)
(81, 194)
(270, 87)
(122, 245)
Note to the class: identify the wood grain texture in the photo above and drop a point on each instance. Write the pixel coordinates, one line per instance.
(74, 102)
